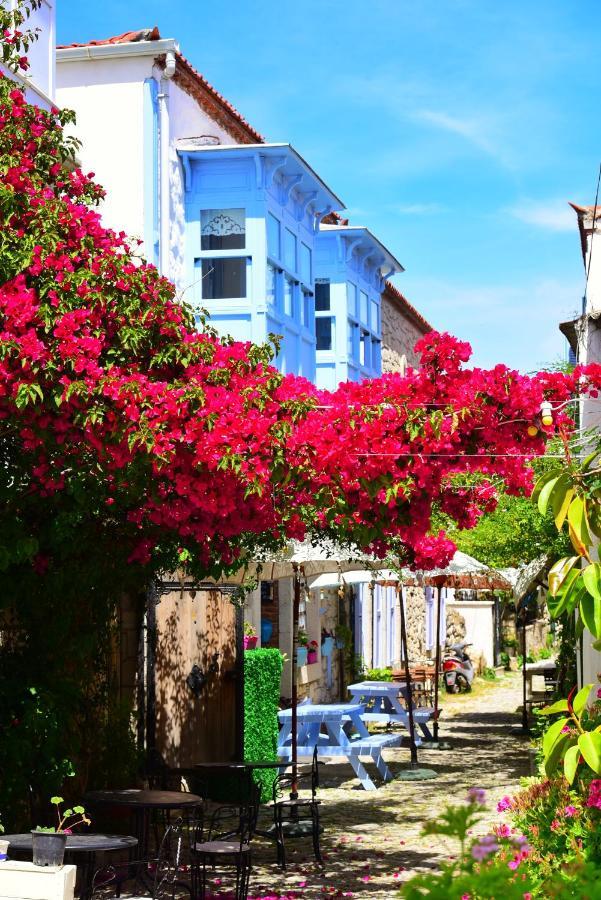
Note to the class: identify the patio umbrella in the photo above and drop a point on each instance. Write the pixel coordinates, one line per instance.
(300, 560)
(463, 572)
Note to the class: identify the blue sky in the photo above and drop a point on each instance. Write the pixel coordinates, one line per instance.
(457, 130)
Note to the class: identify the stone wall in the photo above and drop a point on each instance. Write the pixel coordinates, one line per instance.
(313, 680)
(415, 616)
(400, 332)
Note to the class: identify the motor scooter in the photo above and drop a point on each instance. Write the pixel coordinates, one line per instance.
(458, 671)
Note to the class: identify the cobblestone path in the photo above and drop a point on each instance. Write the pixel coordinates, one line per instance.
(371, 839)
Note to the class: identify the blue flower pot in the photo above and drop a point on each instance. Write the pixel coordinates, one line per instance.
(266, 630)
(301, 656)
(327, 646)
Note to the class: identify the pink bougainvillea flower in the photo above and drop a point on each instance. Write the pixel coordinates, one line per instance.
(504, 804)
(570, 811)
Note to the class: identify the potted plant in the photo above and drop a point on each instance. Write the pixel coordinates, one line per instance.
(312, 652)
(250, 636)
(49, 843)
(302, 649)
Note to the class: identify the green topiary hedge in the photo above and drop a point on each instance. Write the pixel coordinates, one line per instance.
(262, 675)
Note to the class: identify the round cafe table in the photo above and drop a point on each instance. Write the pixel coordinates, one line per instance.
(80, 850)
(142, 802)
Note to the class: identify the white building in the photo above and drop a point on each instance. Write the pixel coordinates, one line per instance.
(584, 338)
(136, 96)
(39, 79)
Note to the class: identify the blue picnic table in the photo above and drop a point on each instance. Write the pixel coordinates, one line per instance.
(382, 704)
(330, 727)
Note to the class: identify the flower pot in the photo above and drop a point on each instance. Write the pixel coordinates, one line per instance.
(340, 644)
(301, 656)
(327, 645)
(250, 641)
(266, 631)
(48, 847)
(312, 656)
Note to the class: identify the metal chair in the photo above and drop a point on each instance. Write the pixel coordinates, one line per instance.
(160, 878)
(300, 805)
(223, 833)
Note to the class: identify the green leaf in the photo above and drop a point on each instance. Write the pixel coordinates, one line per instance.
(56, 800)
(592, 579)
(580, 699)
(578, 521)
(558, 572)
(590, 610)
(557, 707)
(79, 810)
(545, 494)
(552, 734)
(590, 747)
(570, 762)
(556, 754)
(542, 481)
(568, 596)
(560, 503)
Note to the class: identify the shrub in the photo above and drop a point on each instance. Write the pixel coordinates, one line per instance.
(262, 676)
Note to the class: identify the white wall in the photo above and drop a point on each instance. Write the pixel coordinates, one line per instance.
(108, 97)
(479, 630)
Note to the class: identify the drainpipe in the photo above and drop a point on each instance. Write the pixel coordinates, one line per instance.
(165, 211)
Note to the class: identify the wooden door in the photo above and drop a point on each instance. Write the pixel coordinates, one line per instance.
(195, 628)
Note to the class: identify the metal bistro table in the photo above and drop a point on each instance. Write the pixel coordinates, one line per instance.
(81, 849)
(542, 667)
(384, 706)
(335, 718)
(142, 803)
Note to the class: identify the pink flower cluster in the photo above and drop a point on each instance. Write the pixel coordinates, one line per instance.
(594, 794)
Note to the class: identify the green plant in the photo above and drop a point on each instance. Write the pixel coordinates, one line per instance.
(249, 629)
(64, 823)
(575, 737)
(262, 676)
(302, 637)
(378, 674)
(489, 674)
(544, 653)
(504, 657)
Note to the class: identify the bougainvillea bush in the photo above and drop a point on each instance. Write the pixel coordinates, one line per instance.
(133, 442)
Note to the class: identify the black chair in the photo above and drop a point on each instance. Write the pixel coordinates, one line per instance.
(223, 832)
(162, 878)
(295, 801)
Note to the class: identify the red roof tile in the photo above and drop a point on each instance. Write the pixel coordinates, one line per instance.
(393, 293)
(186, 68)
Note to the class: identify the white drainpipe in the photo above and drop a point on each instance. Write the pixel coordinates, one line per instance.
(164, 191)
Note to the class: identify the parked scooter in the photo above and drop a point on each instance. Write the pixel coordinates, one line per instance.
(457, 668)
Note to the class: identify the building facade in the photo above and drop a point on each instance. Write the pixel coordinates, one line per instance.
(39, 80)
(402, 327)
(584, 338)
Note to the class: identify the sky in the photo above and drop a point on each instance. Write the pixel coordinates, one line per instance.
(456, 130)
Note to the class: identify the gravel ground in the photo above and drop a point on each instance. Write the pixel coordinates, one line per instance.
(371, 840)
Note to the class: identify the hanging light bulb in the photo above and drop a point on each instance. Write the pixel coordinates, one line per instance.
(546, 413)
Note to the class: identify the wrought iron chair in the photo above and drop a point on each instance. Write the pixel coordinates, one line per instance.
(163, 878)
(295, 801)
(222, 835)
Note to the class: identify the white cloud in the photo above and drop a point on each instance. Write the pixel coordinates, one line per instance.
(472, 128)
(553, 215)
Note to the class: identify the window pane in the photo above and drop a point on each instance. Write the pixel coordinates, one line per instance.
(273, 236)
(376, 355)
(290, 250)
(307, 309)
(223, 278)
(271, 285)
(222, 229)
(364, 349)
(351, 348)
(323, 332)
(375, 316)
(322, 294)
(363, 311)
(305, 263)
(288, 296)
(351, 298)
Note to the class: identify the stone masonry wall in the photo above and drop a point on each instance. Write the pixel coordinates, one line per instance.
(399, 336)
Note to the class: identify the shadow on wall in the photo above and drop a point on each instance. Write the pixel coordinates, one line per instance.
(195, 628)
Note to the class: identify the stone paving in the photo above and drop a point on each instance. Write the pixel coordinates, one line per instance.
(371, 840)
